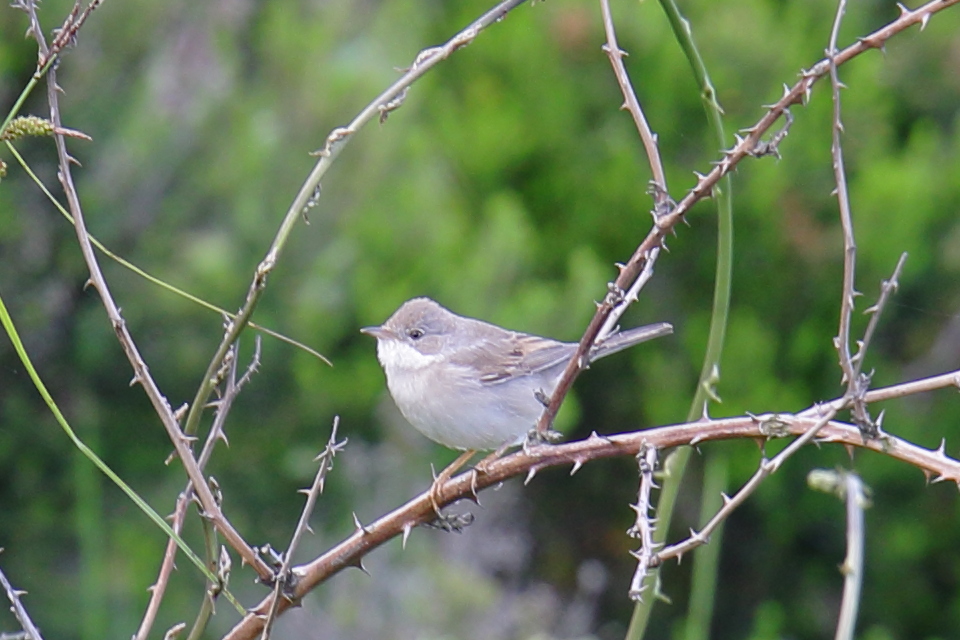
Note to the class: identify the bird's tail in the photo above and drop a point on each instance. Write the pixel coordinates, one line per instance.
(623, 339)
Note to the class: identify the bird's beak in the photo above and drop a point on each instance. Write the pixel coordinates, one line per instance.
(376, 332)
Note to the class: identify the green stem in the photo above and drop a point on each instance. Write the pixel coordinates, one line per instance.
(14, 336)
(676, 462)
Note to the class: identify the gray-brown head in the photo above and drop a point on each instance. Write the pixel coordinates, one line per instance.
(420, 323)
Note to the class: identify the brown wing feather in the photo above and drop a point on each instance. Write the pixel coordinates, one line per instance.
(506, 357)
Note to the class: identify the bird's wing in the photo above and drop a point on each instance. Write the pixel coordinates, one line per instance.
(498, 360)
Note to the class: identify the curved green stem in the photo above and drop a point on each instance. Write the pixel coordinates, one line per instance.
(157, 519)
(676, 462)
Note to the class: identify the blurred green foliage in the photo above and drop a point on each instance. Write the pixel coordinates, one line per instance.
(506, 187)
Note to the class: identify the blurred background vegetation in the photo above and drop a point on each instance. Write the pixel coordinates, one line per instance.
(506, 187)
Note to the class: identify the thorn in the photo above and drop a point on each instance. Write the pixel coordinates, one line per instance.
(576, 466)
(473, 488)
(530, 474)
(407, 528)
(358, 563)
(356, 523)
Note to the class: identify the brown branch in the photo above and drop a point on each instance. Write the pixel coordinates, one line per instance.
(217, 433)
(349, 553)
(887, 289)
(797, 94)
(622, 293)
(851, 374)
(632, 104)
(285, 578)
(97, 280)
(769, 426)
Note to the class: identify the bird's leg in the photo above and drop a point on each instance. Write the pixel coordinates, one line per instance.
(481, 467)
(535, 436)
(446, 474)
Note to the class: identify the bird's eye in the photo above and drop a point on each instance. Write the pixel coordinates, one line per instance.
(415, 333)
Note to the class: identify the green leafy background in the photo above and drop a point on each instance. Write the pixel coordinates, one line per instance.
(506, 187)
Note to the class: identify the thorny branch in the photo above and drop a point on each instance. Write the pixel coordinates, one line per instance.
(934, 463)
(13, 595)
(643, 525)
(632, 104)
(856, 386)
(622, 293)
(97, 280)
(286, 580)
(769, 426)
(217, 433)
(745, 146)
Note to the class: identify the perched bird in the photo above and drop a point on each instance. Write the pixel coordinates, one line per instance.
(471, 385)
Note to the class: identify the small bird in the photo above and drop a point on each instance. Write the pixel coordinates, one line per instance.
(471, 385)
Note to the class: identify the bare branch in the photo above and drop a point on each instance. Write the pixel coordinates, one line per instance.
(706, 183)
(934, 463)
(842, 342)
(13, 595)
(887, 289)
(848, 487)
(231, 391)
(643, 526)
(767, 425)
(285, 579)
(632, 104)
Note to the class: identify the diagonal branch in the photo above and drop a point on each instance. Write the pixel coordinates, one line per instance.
(745, 146)
(419, 510)
(141, 372)
(13, 595)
